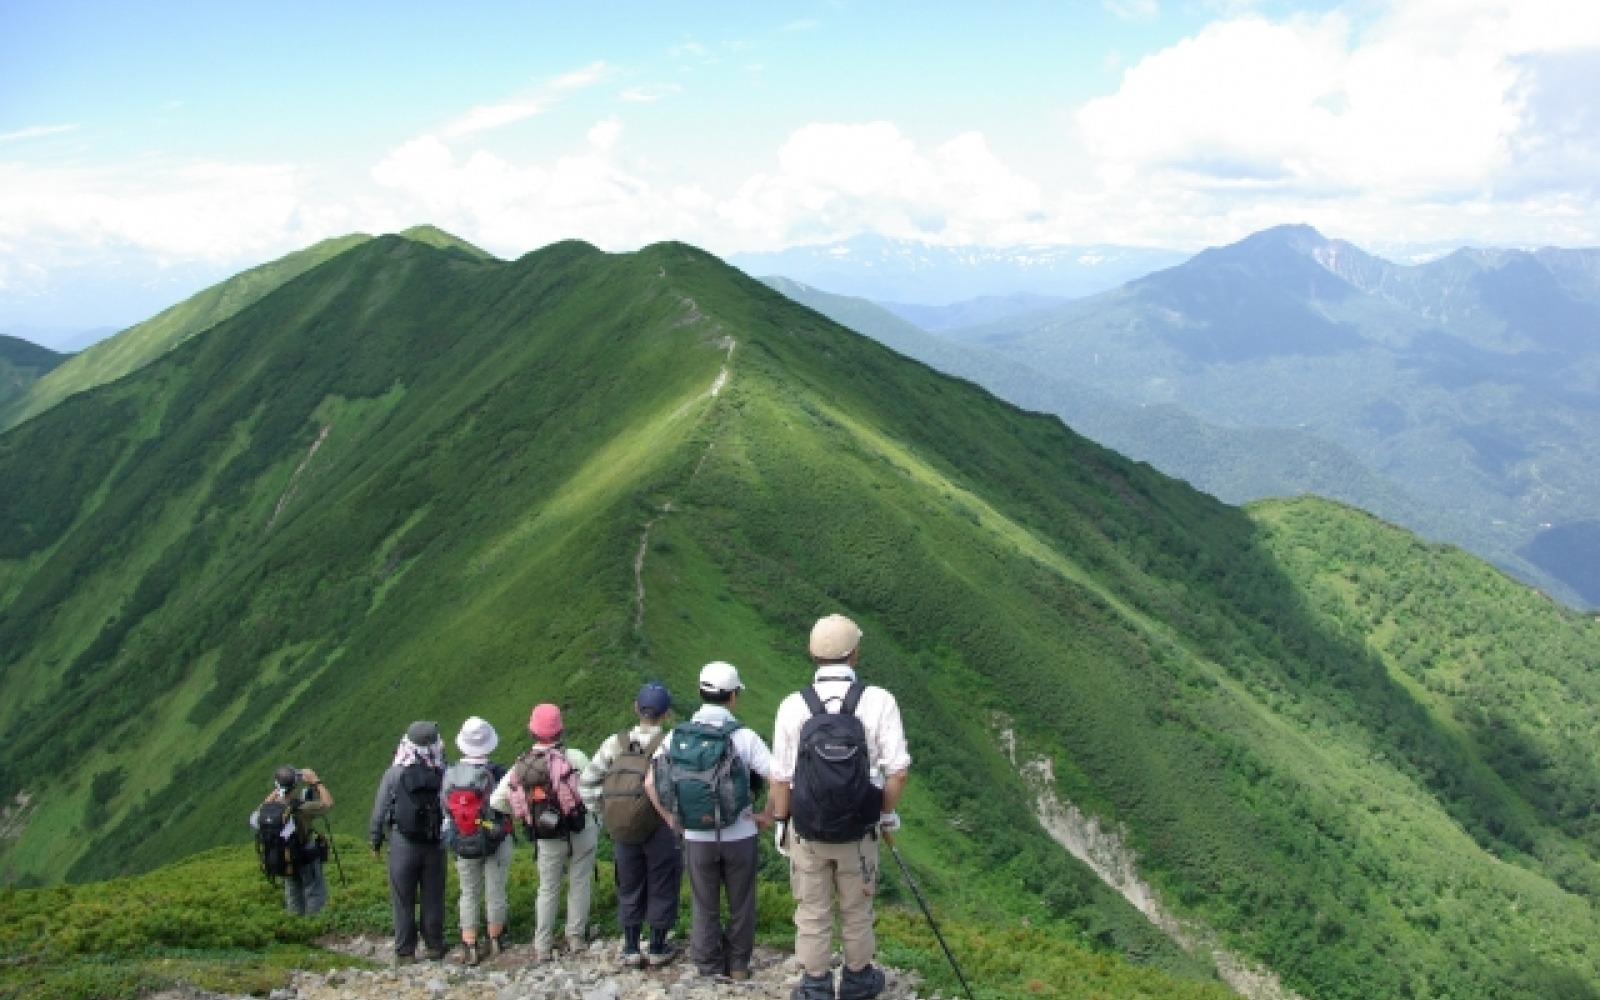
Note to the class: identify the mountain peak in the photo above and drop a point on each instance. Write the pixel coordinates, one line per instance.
(435, 237)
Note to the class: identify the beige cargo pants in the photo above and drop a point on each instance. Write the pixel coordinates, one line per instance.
(821, 874)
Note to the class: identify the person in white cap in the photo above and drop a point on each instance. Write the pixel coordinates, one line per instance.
(722, 859)
(833, 854)
(483, 852)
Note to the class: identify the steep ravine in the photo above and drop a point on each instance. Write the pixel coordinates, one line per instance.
(1107, 853)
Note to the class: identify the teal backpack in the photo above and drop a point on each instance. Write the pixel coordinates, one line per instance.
(704, 782)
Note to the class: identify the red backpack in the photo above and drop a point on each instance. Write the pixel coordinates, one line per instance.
(473, 829)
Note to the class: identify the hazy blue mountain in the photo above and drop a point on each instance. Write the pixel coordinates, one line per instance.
(1234, 464)
(908, 271)
(972, 312)
(1471, 381)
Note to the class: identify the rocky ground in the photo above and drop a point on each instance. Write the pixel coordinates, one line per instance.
(594, 974)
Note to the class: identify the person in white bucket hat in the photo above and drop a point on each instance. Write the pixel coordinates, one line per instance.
(483, 854)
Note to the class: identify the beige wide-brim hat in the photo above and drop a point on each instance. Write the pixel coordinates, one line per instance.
(834, 637)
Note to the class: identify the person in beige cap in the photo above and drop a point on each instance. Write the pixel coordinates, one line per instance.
(833, 854)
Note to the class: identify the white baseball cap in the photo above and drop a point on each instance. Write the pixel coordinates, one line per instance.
(717, 677)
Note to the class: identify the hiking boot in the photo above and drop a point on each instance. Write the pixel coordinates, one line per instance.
(406, 959)
(577, 945)
(813, 987)
(434, 954)
(632, 958)
(542, 956)
(497, 945)
(469, 953)
(739, 975)
(662, 954)
(862, 985)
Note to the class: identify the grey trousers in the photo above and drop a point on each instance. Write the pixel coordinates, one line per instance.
(648, 879)
(416, 867)
(713, 868)
(305, 892)
(483, 884)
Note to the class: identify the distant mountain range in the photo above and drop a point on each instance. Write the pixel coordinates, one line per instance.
(1461, 396)
(414, 481)
(923, 274)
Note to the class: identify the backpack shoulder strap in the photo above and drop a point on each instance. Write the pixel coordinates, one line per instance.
(813, 702)
(852, 697)
(655, 743)
(624, 740)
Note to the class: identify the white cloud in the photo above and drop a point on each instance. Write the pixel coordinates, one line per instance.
(34, 131)
(511, 208)
(196, 211)
(835, 180)
(1436, 112)
(1133, 10)
(646, 95)
(486, 117)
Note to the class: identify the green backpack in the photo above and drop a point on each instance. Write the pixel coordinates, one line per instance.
(704, 782)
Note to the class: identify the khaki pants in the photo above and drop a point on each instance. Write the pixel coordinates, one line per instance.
(820, 874)
(575, 858)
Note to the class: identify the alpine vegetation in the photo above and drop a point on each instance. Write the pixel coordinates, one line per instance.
(416, 483)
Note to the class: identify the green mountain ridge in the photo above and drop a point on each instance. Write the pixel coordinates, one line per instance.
(144, 342)
(413, 482)
(22, 363)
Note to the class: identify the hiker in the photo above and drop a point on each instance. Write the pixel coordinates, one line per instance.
(479, 836)
(702, 782)
(286, 843)
(541, 790)
(408, 804)
(833, 852)
(648, 864)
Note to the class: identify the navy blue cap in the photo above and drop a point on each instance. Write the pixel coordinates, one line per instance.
(654, 699)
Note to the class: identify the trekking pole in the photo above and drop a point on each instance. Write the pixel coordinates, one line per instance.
(888, 838)
(333, 846)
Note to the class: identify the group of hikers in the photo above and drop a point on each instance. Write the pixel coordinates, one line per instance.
(669, 799)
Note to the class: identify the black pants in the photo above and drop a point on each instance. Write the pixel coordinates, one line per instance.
(713, 868)
(648, 877)
(414, 866)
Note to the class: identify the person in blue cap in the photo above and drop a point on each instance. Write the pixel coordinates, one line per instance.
(648, 860)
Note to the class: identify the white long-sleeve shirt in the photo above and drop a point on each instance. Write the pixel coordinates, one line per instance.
(878, 711)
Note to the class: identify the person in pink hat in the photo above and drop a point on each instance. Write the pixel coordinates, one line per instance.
(541, 790)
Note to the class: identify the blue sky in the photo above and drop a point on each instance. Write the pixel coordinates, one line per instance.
(146, 152)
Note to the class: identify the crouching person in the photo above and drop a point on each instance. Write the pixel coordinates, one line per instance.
(287, 845)
(408, 814)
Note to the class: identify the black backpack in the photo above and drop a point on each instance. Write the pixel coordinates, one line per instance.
(418, 815)
(276, 852)
(834, 800)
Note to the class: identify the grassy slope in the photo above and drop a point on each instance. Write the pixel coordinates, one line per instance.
(140, 344)
(181, 610)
